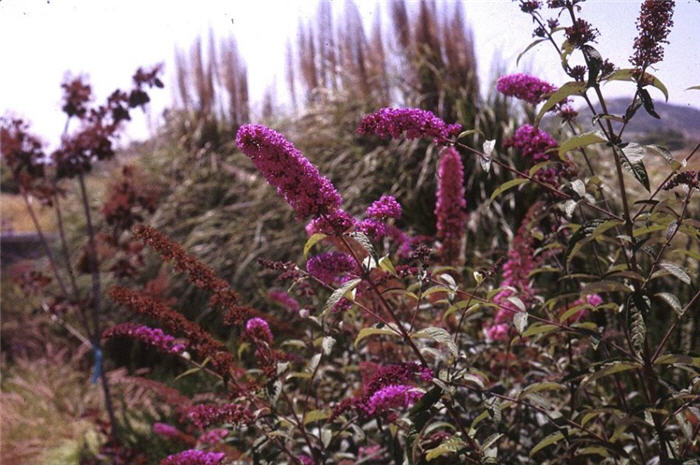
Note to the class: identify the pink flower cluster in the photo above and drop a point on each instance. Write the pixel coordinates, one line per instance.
(334, 223)
(151, 336)
(194, 457)
(166, 430)
(516, 276)
(258, 330)
(450, 203)
(524, 87)
(214, 436)
(284, 299)
(380, 378)
(592, 299)
(204, 415)
(392, 396)
(305, 460)
(532, 142)
(416, 123)
(285, 168)
(654, 24)
(328, 266)
(385, 207)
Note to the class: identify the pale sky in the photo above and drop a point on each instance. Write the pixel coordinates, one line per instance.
(107, 40)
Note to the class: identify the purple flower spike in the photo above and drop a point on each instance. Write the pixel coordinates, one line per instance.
(524, 87)
(416, 123)
(285, 168)
(194, 457)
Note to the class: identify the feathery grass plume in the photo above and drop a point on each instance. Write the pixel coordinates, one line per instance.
(223, 297)
(285, 168)
(450, 203)
(654, 24)
(414, 122)
(199, 341)
(151, 336)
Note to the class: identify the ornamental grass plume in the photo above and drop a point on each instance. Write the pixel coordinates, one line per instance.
(450, 203)
(654, 24)
(414, 122)
(524, 87)
(151, 336)
(285, 168)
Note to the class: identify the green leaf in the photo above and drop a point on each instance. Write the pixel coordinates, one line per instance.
(547, 441)
(311, 241)
(507, 185)
(611, 369)
(546, 386)
(564, 91)
(661, 151)
(582, 140)
(648, 103)
(628, 74)
(634, 152)
(637, 169)
(366, 332)
(585, 230)
(539, 328)
(671, 300)
(532, 44)
(469, 132)
(676, 271)
(340, 293)
(439, 335)
(520, 321)
(386, 265)
(604, 286)
(638, 330)
(362, 239)
(485, 159)
(448, 446)
(693, 88)
(327, 345)
(315, 415)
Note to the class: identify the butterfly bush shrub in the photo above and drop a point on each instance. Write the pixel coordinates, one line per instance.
(574, 342)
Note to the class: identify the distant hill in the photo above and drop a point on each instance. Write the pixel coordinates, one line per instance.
(678, 123)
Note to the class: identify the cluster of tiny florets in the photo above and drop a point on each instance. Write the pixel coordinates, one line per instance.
(205, 415)
(654, 24)
(285, 168)
(329, 266)
(525, 87)
(580, 33)
(688, 178)
(151, 336)
(385, 207)
(414, 122)
(516, 276)
(450, 203)
(198, 274)
(194, 457)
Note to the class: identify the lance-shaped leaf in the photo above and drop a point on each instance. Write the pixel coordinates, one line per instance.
(581, 140)
(570, 88)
